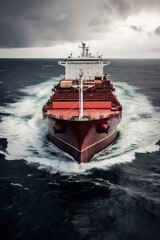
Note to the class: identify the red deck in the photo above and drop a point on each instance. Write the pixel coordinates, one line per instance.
(91, 113)
(88, 104)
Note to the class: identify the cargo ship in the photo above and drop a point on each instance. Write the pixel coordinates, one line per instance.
(83, 112)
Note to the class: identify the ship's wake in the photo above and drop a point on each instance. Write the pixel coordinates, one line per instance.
(26, 133)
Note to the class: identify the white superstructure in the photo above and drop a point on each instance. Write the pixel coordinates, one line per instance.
(90, 66)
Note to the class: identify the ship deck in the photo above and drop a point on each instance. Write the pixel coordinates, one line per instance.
(72, 113)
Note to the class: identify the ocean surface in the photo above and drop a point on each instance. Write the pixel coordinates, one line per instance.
(45, 193)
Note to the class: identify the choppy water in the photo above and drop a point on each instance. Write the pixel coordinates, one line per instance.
(45, 194)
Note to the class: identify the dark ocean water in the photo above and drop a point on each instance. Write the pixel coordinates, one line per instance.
(45, 194)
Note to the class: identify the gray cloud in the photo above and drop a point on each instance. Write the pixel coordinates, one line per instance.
(157, 31)
(44, 23)
(135, 28)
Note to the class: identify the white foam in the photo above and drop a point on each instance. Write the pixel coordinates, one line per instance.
(16, 184)
(26, 131)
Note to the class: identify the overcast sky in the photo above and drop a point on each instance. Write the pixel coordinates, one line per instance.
(54, 28)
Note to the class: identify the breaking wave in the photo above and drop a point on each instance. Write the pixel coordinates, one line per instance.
(23, 127)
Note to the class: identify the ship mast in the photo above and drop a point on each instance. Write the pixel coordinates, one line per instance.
(81, 96)
(83, 49)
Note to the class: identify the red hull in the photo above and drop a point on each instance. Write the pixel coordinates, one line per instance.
(80, 138)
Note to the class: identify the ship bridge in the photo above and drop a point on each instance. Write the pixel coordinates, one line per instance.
(90, 66)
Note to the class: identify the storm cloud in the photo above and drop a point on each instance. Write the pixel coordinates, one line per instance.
(157, 31)
(135, 28)
(44, 23)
